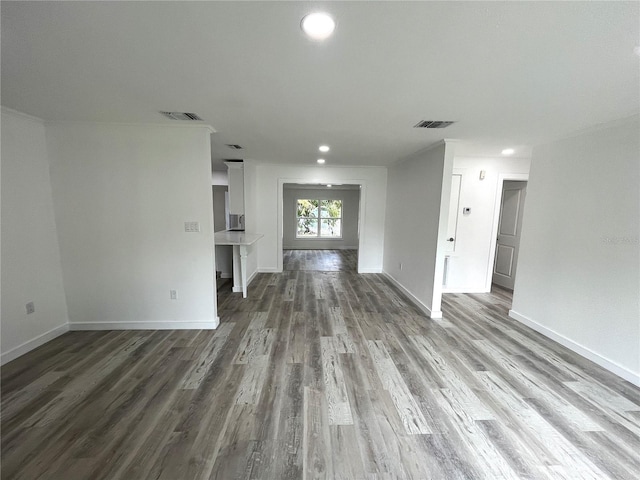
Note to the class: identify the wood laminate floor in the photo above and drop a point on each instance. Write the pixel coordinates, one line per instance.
(328, 375)
(321, 260)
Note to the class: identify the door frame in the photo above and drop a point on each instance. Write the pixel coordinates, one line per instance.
(361, 211)
(522, 177)
(447, 256)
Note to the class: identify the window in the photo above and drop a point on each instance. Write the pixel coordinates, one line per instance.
(325, 214)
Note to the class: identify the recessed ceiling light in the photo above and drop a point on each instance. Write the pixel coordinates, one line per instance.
(323, 148)
(318, 26)
(508, 151)
(320, 160)
(329, 185)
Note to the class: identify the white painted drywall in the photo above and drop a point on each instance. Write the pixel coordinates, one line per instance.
(269, 181)
(579, 266)
(350, 205)
(224, 253)
(417, 208)
(470, 266)
(251, 213)
(121, 195)
(31, 270)
(219, 178)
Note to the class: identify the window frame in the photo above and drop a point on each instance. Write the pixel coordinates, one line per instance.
(319, 219)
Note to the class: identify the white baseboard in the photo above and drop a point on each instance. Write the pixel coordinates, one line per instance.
(238, 289)
(370, 270)
(423, 308)
(204, 325)
(33, 343)
(269, 270)
(465, 290)
(226, 275)
(586, 352)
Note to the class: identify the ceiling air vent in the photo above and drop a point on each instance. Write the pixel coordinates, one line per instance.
(432, 124)
(189, 117)
(234, 146)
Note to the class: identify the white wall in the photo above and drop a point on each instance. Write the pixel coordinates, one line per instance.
(121, 195)
(266, 209)
(578, 272)
(417, 207)
(31, 268)
(471, 265)
(251, 213)
(219, 178)
(350, 206)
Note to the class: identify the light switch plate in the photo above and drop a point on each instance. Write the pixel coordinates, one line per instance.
(192, 227)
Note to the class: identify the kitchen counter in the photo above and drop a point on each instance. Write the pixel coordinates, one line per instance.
(234, 237)
(241, 242)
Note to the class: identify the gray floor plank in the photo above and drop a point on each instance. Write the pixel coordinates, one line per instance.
(320, 373)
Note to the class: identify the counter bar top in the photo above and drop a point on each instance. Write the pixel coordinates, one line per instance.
(227, 237)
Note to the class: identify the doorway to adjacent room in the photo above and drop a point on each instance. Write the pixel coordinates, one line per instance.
(320, 227)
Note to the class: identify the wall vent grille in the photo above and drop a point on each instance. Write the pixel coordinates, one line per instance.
(185, 116)
(433, 124)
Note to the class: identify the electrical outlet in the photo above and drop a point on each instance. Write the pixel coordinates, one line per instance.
(173, 294)
(400, 266)
(31, 308)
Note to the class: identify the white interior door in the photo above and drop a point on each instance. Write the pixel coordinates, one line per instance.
(509, 228)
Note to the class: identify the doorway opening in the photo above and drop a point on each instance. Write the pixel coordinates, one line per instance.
(320, 227)
(476, 199)
(224, 253)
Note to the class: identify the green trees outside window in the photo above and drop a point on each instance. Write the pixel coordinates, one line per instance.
(319, 218)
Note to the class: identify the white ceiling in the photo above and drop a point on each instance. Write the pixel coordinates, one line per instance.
(509, 73)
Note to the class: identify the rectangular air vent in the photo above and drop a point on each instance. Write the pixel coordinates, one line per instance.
(234, 146)
(186, 116)
(433, 124)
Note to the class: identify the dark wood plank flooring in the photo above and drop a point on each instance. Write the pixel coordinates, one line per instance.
(321, 260)
(319, 375)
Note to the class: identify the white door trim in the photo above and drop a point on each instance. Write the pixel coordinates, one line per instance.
(496, 219)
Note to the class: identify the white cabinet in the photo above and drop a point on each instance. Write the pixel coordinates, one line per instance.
(236, 187)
